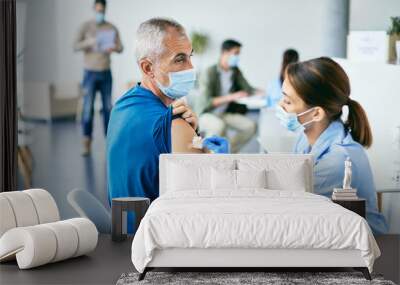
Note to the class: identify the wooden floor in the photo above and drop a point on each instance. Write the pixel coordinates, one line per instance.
(389, 262)
(110, 259)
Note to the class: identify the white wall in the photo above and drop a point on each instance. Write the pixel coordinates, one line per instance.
(372, 14)
(380, 99)
(41, 47)
(376, 88)
(265, 27)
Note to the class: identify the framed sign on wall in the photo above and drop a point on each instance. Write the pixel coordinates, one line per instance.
(369, 46)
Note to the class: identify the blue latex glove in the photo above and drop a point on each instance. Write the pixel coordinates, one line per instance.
(216, 144)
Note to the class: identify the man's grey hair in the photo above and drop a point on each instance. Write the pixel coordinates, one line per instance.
(150, 37)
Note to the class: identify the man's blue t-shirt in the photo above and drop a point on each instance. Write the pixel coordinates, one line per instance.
(139, 131)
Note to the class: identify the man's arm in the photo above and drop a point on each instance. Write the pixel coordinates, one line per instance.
(182, 136)
(81, 42)
(182, 140)
(118, 44)
(220, 100)
(243, 83)
(209, 99)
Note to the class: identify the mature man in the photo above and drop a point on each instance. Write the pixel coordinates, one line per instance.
(98, 39)
(149, 119)
(221, 85)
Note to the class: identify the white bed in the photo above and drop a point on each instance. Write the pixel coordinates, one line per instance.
(201, 219)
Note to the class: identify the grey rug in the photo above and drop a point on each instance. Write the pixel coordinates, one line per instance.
(225, 278)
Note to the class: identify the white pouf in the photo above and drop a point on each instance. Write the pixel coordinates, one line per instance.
(31, 233)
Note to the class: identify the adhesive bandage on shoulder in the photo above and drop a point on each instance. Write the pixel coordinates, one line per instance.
(197, 142)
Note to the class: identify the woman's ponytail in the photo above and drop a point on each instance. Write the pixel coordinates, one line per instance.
(357, 123)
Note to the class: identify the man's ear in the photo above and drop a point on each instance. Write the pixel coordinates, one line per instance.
(146, 67)
(319, 114)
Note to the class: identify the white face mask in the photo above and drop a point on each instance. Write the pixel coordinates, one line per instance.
(180, 83)
(291, 121)
(233, 60)
(100, 17)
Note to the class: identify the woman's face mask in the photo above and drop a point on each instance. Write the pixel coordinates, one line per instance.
(180, 83)
(290, 120)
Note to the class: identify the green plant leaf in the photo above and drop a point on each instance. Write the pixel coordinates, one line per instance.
(200, 42)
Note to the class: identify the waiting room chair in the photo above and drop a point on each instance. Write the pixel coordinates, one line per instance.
(88, 206)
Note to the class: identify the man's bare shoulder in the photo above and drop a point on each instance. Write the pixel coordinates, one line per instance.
(182, 137)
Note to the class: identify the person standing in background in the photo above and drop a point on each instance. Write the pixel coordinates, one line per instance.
(274, 89)
(98, 39)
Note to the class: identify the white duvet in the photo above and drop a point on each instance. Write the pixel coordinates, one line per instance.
(250, 219)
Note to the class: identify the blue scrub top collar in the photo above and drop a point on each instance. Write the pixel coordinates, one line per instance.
(335, 133)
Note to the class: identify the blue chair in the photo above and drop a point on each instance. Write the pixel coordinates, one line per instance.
(88, 206)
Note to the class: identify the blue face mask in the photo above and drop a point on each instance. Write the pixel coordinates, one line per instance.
(290, 120)
(100, 17)
(180, 84)
(233, 60)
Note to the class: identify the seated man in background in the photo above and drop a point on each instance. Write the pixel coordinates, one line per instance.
(220, 86)
(149, 119)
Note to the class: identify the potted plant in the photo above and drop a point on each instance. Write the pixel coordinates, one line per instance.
(394, 35)
(199, 42)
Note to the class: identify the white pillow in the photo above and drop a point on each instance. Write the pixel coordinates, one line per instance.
(278, 180)
(223, 179)
(185, 175)
(251, 178)
(282, 174)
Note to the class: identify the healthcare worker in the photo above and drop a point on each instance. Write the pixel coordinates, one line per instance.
(274, 88)
(315, 94)
(149, 119)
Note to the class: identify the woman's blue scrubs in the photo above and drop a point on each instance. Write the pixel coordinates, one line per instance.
(330, 151)
(274, 93)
